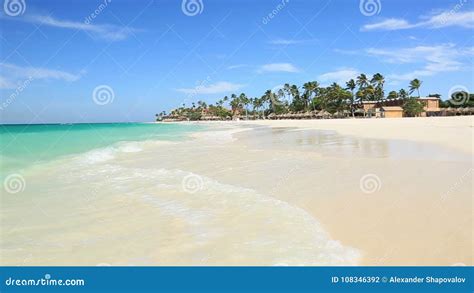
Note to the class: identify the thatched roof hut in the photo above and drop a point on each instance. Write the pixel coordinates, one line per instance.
(323, 114)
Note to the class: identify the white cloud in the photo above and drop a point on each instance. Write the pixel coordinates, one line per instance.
(431, 60)
(216, 88)
(104, 31)
(340, 76)
(388, 24)
(279, 67)
(236, 66)
(440, 20)
(14, 74)
(451, 18)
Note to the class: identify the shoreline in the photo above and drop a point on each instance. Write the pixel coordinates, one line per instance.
(464, 125)
(355, 210)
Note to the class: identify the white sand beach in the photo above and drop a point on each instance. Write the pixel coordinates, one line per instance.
(421, 209)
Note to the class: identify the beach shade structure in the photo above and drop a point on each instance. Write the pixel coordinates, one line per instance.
(359, 112)
(448, 111)
(340, 114)
(325, 114)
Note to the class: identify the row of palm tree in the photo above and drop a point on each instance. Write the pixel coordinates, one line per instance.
(311, 96)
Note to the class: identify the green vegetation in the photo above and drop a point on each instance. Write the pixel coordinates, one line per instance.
(412, 107)
(310, 97)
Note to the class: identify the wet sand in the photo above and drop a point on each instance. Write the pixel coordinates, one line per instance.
(417, 208)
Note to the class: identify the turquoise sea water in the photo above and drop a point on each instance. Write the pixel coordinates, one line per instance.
(122, 194)
(25, 145)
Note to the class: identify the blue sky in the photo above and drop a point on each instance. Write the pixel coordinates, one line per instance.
(101, 61)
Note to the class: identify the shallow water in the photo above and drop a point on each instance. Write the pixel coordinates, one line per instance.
(93, 208)
(25, 145)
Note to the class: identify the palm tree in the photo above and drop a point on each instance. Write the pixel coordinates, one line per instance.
(256, 103)
(377, 81)
(362, 81)
(310, 89)
(415, 86)
(392, 95)
(402, 94)
(234, 103)
(269, 97)
(244, 100)
(351, 85)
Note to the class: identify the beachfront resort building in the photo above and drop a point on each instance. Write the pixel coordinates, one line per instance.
(392, 108)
